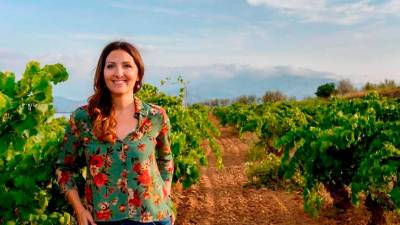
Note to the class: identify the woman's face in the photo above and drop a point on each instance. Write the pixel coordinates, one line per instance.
(120, 73)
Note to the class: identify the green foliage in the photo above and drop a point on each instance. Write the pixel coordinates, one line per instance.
(190, 127)
(267, 121)
(325, 90)
(349, 143)
(29, 139)
(264, 170)
(338, 144)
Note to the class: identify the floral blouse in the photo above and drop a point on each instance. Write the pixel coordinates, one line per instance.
(125, 180)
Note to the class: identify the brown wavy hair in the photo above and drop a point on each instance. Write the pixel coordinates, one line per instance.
(100, 108)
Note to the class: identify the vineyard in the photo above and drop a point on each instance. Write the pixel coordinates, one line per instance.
(30, 138)
(348, 148)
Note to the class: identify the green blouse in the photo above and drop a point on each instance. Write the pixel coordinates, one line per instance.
(125, 180)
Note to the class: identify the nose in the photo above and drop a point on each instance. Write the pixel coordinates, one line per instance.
(119, 72)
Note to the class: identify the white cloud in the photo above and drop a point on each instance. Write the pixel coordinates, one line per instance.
(152, 9)
(339, 13)
(13, 61)
(290, 4)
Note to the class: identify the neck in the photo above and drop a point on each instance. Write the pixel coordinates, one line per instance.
(122, 102)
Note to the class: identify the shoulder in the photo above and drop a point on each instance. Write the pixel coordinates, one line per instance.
(156, 110)
(157, 113)
(80, 113)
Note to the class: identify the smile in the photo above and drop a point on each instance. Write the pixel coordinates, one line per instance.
(119, 81)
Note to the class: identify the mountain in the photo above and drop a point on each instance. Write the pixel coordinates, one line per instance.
(214, 81)
(230, 81)
(66, 105)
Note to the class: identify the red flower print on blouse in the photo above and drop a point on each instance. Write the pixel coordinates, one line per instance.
(160, 215)
(100, 179)
(159, 144)
(108, 161)
(141, 147)
(146, 194)
(122, 208)
(124, 174)
(134, 198)
(156, 199)
(166, 149)
(146, 216)
(86, 140)
(123, 155)
(146, 125)
(122, 184)
(124, 178)
(94, 170)
(164, 130)
(136, 135)
(69, 160)
(137, 167)
(144, 178)
(165, 192)
(103, 214)
(65, 177)
(96, 161)
(88, 194)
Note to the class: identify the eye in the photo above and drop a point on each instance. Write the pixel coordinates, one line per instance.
(109, 66)
(128, 65)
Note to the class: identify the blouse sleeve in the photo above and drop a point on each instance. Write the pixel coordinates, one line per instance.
(163, 147)
(66, 164)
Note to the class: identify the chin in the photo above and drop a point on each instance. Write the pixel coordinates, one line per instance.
(119, 92)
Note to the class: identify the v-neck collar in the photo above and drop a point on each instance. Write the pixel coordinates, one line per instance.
(140, 108)
(142, 112)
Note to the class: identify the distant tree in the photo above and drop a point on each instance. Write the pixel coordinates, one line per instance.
(273, 96)
(369, 86)
(325, 90)
(216, 102)
(387, 84)
(308, 98)
(344, 87)
(224, 102)
(246, 99)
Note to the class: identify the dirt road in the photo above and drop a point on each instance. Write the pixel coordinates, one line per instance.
(221, 198)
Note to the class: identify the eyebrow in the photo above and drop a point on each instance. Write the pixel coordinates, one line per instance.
(122, 62)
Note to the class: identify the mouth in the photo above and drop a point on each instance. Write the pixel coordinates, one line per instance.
(119, 82)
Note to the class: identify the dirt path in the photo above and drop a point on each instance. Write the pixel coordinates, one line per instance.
(220, 197)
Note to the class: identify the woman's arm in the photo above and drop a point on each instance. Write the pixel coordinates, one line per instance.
(82, 214)
(67, 166)
(163, 147)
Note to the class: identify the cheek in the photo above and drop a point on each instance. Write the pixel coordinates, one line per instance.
(107, 74)
(107, 79)
(132, 78)
(132, 75)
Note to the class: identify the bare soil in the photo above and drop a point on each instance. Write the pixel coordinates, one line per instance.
(222, 196)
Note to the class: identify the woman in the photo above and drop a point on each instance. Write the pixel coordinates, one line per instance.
(125, 145)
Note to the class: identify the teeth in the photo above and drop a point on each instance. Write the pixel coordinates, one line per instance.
(119, 81)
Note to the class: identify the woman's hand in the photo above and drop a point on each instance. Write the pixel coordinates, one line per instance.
(84, 217)
(172, 219)
(168, 186)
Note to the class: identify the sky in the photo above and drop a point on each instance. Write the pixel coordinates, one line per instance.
(311, 39)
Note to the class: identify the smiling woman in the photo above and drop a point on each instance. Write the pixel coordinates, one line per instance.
(120, 72)
(124, 143)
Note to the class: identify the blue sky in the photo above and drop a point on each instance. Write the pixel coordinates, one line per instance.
(338, 39)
